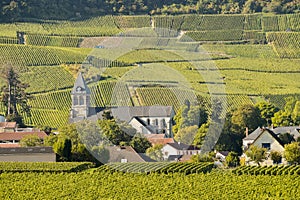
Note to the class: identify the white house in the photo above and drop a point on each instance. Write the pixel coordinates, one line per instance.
(263, 138)
(177, 149)
(147, 119)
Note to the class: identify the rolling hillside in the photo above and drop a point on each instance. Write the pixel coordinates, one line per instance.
(165, 60)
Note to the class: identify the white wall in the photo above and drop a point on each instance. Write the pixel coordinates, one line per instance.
(267, 138)
(168, 150)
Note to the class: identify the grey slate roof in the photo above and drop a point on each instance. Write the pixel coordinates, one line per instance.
(295, 133)
(254, 134)
(116, 153)
(181, 146)
(285, 129)
(126, 113)
(80, 83)
(271, 133)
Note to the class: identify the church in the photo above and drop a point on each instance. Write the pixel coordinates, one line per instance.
(145, 119)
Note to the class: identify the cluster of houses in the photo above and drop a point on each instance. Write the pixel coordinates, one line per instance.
(11, 150)
(154, 122)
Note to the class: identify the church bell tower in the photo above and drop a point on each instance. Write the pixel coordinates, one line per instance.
(80, 100)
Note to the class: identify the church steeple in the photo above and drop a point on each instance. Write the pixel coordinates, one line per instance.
(80, 85)
(80, 95)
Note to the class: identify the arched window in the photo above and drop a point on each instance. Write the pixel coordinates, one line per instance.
(81, 100)
(75, 99)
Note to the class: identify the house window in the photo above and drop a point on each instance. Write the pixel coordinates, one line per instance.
(266, 145)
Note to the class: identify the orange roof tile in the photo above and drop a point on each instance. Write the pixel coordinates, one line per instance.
(20, 135)
(8, 124)
(9, 145)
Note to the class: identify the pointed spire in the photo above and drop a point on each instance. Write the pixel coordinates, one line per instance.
(80, 85)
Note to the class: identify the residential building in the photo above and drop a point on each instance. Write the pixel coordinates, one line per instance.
(173, 151)
(263, 138)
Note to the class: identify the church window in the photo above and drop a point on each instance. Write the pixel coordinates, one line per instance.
(81, 100)
(75, 100)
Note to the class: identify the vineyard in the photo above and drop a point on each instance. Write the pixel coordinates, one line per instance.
(159, 167)
(21, 167)
(285, 44)
(24, 56)
(268, 170)
(118, 185)
(256, 56)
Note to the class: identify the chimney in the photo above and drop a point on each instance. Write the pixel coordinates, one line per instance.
(247, 131)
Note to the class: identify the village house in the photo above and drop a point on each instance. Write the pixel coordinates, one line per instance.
(263, 138)
(14, 138)
(126, 154)
(158, 139)
(174, 151)
(7, 127)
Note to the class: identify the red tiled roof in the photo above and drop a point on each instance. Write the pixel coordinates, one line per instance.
(155, 136)
(20, 135)
(162, 141)
(8, 124)
(9, 145)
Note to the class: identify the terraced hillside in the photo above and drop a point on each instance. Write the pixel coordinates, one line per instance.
(166, 60)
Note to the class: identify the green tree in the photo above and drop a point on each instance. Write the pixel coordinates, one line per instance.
(246, 116)
(276, 157)
(50, 140)
(31, 141)
(282, 118)
(289, 116)
(63, 148)
(256, 154)
(202, 158)
(86, 139)
(267, 111)
(292, 152)
(189, 115)
(155, 152)
(14, 95)
(232, 159)
(70, 131)
(116, 132)
(187, 134)
(229, 140)
(200, 135)
(296, 113)
(139, 143)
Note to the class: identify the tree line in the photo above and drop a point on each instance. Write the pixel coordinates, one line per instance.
(18, 10)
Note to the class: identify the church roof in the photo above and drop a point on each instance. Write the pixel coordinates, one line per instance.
(126, 113)
(80, 83)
